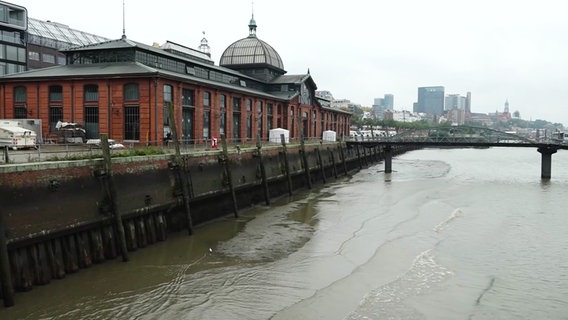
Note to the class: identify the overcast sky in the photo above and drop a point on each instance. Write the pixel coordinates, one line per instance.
(362, 49)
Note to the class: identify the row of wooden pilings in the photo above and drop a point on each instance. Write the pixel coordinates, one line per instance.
(37, 262)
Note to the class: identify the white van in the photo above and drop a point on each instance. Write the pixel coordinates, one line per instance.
(17, 137)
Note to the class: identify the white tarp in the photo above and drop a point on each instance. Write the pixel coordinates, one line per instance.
(274, 135)
(329, 135)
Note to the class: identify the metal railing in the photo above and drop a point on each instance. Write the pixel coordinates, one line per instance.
(76, 151)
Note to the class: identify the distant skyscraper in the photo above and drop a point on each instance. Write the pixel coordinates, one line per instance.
(380, 105)
(430, 100)
(468, 103)
(455, 101)
(389, 101)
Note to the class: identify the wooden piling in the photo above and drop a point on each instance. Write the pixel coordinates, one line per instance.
(150, 229)
(5, 273)
(333, 162)
(322, 169)
(70, 258)
(141, 233)
(343, 160)
(262, 171)
(97, 248)
(84, 250)
(111, 189)
(365, 156)
(182, 170)
(359, 156)
(57, 261)
(286, 163)
(161, 227)
(228, 173)
(303, 154)
(43, 271)
(109, 242)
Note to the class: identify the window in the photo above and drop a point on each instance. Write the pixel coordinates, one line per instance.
(55, 115)
(236, 104)
(188, 114)
(32, 55)
(168, 100)
(20, 95)
(249, 126)
(259, 115)
(92, 122)
(131, 123)
(187, 97)
(168, 93)
(222, 115)
(48, 58)
(20, 110)
(91, 93)
(236, 118)
(131, 92)
(55, 93)
(206, 124)
(269, 116)
(222, 102)
(248, 104)
(206, 99)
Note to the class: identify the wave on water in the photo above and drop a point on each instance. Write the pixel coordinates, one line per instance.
(388, 301)
(442, 225)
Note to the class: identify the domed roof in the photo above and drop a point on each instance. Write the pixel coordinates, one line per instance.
(251, 51)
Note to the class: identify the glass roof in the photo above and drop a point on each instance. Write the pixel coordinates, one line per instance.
(62, 36)
(251, 50)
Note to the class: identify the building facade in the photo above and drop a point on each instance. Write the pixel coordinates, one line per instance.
(126, 89)
(430, 100)
(13, 26)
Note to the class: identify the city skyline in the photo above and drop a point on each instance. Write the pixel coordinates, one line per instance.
(357, 50)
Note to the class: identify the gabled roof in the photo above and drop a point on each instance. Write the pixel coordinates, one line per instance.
(295, 79)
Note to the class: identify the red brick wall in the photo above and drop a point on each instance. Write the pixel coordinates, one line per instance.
(111, 107)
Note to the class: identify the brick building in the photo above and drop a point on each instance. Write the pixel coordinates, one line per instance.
(124, 88)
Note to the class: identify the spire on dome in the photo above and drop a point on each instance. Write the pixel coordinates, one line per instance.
(252, 24)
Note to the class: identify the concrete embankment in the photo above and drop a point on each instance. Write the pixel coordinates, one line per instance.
(58, 217)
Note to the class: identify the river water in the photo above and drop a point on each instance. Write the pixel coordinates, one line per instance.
(450, 234)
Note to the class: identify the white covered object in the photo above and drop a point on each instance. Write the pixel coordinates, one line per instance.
(329, 135)
(274, 135)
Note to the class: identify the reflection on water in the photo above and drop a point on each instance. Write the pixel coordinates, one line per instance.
(450, 234)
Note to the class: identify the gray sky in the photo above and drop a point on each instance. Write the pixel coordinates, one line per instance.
(361, 49)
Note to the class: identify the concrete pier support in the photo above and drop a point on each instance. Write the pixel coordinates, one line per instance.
(388, 159)
(546, 162)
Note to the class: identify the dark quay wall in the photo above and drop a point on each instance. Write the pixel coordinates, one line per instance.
(61, 216)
